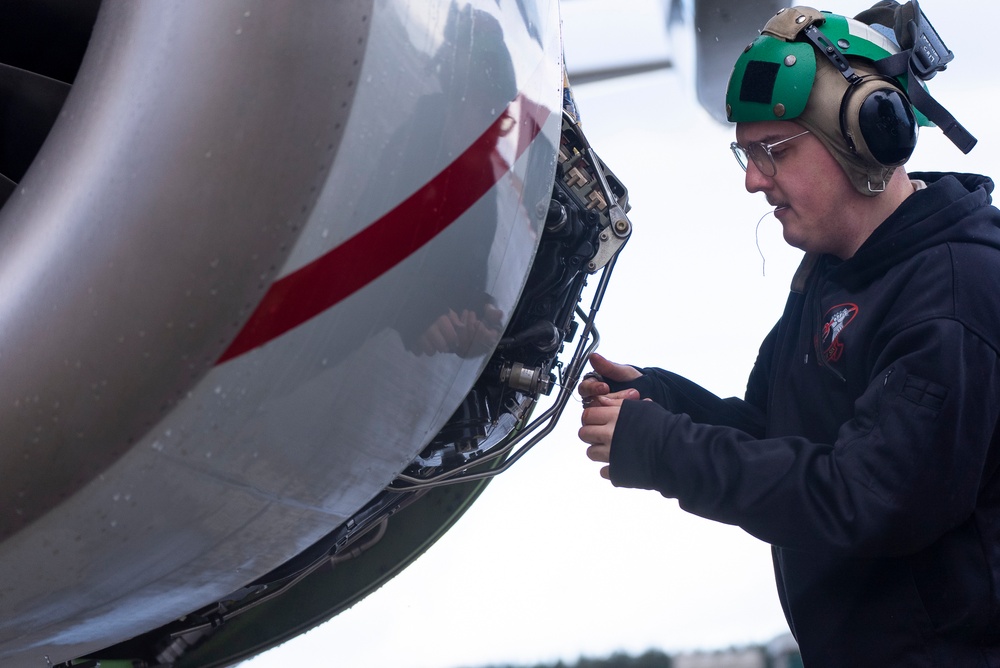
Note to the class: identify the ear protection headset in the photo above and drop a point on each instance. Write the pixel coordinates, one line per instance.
(876, 118)
(884, 101)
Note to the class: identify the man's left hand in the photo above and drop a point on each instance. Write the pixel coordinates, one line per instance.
(599, 420)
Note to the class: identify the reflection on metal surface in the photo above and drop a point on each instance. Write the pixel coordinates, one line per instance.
(585, 214)
(370, 253)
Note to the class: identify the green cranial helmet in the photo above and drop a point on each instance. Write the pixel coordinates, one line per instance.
(837, 76)
(775, 74)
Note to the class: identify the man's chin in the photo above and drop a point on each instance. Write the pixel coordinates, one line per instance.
(792, 239)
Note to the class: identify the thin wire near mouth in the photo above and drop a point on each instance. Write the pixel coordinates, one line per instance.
(756, 234)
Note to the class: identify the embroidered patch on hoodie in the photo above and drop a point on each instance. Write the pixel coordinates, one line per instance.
(836, 319)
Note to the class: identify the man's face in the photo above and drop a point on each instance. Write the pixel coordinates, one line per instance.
(813, 198)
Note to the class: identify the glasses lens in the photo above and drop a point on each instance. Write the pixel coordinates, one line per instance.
(762, 158)
(741, 155)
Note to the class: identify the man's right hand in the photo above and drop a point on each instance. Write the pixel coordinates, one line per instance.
(605, 369)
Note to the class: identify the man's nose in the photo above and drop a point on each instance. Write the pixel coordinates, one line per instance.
(755, 180)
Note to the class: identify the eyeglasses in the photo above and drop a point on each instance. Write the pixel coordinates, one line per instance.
(761, 154)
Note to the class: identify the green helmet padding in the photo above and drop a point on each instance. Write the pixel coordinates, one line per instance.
(771, 81)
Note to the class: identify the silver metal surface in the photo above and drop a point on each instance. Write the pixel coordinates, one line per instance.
(206, 150)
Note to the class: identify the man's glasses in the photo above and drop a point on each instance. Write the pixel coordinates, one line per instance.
(760, 153)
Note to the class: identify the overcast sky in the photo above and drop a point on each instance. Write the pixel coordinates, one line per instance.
(554, 563)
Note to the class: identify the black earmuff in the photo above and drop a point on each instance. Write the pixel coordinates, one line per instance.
(877, 121)
(876, 118)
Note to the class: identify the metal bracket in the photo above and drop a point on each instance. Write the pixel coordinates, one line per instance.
(593, 184)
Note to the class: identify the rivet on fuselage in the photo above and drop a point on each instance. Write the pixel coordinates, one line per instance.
(779, 110)
(789, 60)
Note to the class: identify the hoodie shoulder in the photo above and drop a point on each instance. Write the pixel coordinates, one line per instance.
(952, 209)
(955, 184)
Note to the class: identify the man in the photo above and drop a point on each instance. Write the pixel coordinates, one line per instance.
(867, 448)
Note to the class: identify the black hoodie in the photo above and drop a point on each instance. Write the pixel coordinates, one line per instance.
(867, 448)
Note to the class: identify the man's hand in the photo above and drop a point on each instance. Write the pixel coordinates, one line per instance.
(594, 385)
(599, 420)
(466, 334)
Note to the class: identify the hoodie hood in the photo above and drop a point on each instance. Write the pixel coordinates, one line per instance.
(953, 208)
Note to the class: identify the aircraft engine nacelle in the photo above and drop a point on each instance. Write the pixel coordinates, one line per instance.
(260, 270)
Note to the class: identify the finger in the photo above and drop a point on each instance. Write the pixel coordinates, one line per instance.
(599, 453)
(620, 396)
(589, 434)
(492, 315)
(600, 415)
(458, 321)
(452, 324)
(597, 436)
(591, 388)
(592, 384)
(612, 370)
(615, 399)
(606, 472)
(435, 339)
(426, 344)
(602, 401)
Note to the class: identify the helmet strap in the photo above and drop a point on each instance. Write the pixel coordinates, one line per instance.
(919, 64)
(826, 48)
(902, 63)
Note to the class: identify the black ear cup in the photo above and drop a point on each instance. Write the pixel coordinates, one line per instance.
(878, 122)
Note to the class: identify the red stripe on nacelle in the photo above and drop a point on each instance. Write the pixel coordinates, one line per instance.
(331, 278)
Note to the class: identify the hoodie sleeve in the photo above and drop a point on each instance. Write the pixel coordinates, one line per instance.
(680, 395)
(905, 469)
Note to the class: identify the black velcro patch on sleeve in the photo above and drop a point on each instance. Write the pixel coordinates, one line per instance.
(758, 82)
